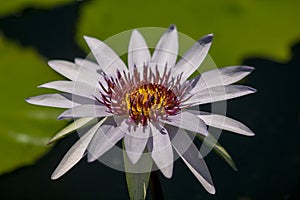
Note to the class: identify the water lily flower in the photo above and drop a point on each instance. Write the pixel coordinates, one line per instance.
(147, 103)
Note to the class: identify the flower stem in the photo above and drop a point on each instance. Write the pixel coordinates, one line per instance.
(156, 189)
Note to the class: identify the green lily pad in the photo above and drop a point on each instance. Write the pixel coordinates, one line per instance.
(24, 129)
(11, 6)
(241, 28)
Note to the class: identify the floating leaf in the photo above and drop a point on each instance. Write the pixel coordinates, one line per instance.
(12, 6)
(241, 28)
(24, 129)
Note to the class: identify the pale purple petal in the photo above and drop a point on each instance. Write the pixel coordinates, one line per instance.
(221, 76)
(81, 71)
(193, 58)
(226, 123)
(53, 100)
(87, 64)
(135, 141)
(76, 152)
(162, 152)
(89, 72)
(192, 158)
(105, 138)
(188, 121)
(218, 93)
(138, 52)
(166, 50)
(65, 68)
(85, 111)
(77, 88)
(108, 60)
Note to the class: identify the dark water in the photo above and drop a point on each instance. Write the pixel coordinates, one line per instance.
(269, 163)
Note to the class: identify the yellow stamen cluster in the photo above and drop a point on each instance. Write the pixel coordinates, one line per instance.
(150, 101)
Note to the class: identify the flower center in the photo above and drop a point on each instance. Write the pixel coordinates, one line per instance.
(152, 97)
(150, 101)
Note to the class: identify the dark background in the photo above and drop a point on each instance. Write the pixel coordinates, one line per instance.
(268, 164)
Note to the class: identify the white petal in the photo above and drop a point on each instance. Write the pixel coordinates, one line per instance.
(188, 121)
(135, 141)
(77, 88)
(108, 60)
(166, 51)
(105, 138)
(87, 64)
(65, 68)
(193, 58)
(53, 100)
(76, 152)
(190, 156)
(88, 72)
(162, 152)
(138, 52)
(78, 72)
(226, 123)
(219, 93)
(86, 111)
(221, 76)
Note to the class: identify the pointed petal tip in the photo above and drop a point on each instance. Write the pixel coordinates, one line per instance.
(247, 68)
(42, 86)
(51, 62)
(54, 63)
(206, 39)
(90, 40)
(136, 34)
(167, 171)
(253, 90)
(251, 134)
(135, 31)
(55, 176)
(133, 158)
(209, 187)
(50, 142)
(172, 27)
(28, 99)
(168, 175)
(91, 158)
(134, 161)
(62, 116)
(85, 37)
(211, 190)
